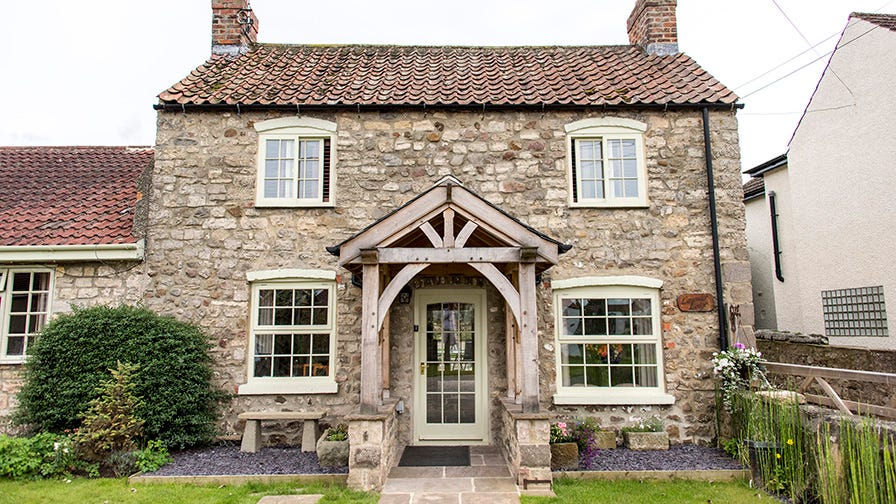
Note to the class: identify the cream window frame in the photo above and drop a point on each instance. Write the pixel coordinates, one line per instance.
(6, 283)
(291, 385)
(297, 129)
(604, 130)
(629, 287)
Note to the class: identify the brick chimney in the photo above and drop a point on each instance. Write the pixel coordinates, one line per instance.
(234, 27)
(652, 26)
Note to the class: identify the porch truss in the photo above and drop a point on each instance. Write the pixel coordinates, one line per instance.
(449, 226)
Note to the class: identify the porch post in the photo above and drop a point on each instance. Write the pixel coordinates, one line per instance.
(510, 350)
(528, 332)
(370, 356)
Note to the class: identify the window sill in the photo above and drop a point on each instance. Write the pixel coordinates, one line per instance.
(294, 204)
(609, 204)
(289, 386)
(615, 398)
(12, 361)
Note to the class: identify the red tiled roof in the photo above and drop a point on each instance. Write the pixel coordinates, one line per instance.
(884, 20)
(410, 75)
(754, 187)
(69, 195)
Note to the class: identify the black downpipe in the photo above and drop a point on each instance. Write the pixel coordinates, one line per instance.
(776, 247)
(710, 182)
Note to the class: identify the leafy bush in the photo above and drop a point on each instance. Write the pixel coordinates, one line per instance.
(43, 455)
(111, 426)
(73, 353)
(151, 458)
(338, 433)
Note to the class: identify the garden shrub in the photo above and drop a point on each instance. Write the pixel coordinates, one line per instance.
(74, 352)
(151, 458)
(110, 425)
(43, 455)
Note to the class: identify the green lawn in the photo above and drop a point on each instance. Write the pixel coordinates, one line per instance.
(649, 492)
(114, 491)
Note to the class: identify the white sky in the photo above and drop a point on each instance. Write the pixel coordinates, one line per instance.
(87, 72)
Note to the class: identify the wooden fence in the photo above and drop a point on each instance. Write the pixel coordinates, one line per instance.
(821, 375)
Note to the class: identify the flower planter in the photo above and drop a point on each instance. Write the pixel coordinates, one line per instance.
(605, 440)
(646, 440)
(564, 457)
(762, 460)
(332, 453)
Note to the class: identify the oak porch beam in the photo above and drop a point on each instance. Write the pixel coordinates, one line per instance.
(391, 291)
(370, 322)
(432, 234)
(404, 255)
(504, 286)
(448, 239)
(465, 233)
(528, 333)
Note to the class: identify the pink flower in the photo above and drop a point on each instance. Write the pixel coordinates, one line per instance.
(739, 346)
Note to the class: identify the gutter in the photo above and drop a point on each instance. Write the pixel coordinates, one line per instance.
(61, 253)
(714, 224)
(776, 246)
(240, 107)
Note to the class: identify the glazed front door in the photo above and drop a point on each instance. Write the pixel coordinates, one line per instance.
(450, 370)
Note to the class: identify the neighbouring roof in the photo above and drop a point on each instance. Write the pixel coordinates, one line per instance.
(754, 187)
(361, 75)
(769, 165)
(69, 195)
(887, 21)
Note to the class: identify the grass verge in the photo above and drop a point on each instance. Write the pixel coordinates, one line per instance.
(115, 491)
(649, 492)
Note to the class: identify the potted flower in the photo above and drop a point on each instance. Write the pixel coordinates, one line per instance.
(588, 433)
(332, 447)
(737, 368)
(564, 449)
(646, 435)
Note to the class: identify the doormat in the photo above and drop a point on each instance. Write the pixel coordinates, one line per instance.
(417, 456)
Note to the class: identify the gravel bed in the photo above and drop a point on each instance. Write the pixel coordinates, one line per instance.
(229, 460)
(676, 458)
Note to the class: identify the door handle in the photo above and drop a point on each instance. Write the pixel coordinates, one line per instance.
(422, 368)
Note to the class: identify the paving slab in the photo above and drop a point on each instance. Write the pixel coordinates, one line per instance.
(494, 485)
(490, 498)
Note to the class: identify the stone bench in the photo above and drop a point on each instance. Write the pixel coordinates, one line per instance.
(252, 434)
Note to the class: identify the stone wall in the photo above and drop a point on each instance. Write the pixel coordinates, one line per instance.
(861, 359)
(524, 441)
(374, 445)
(204, 233)
(77, 284)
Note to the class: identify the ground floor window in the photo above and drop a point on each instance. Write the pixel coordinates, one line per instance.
(24, 308)
(608, 344)
(292, 339)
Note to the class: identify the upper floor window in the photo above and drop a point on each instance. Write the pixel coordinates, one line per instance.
(608, 341)
(606, 163)
(24, 308)
(295, 160)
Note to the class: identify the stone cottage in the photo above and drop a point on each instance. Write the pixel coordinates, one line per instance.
(451, 245)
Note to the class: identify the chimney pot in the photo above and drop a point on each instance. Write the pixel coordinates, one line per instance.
(652, 25)
(234, 27)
